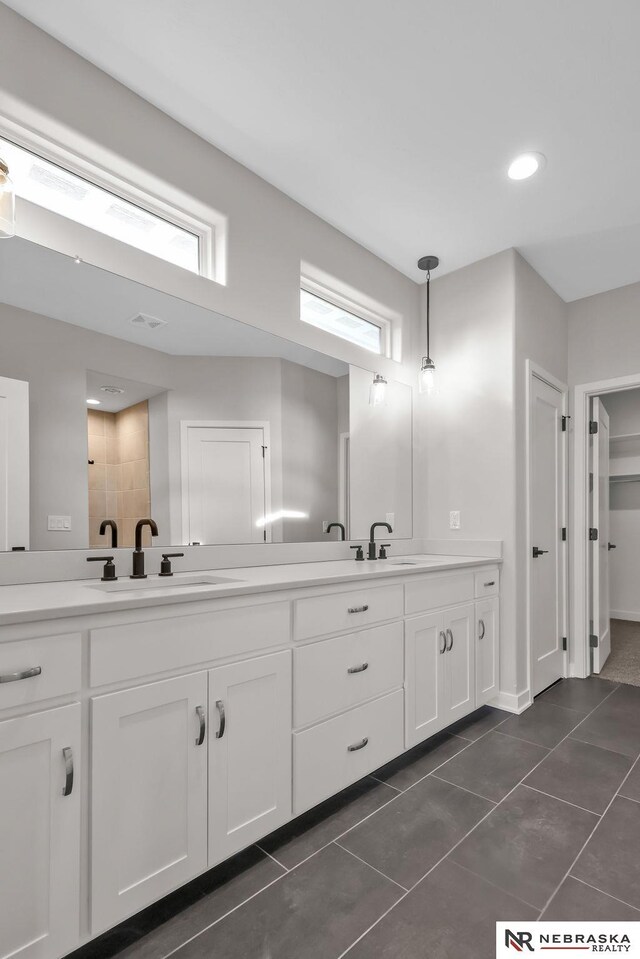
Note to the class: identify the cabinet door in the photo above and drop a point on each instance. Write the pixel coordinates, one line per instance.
(425, 710)
(459, 662)
(40, 834)
(249, 752)
(488, 633)
(149, 794)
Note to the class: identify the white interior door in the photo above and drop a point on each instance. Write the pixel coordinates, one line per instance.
(224, 485)
(14, 464)
(546, 519)
(600, 589)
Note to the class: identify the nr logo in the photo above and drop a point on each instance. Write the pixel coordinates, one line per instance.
(518, 940)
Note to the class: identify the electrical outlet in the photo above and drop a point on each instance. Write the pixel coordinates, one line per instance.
(454, 519)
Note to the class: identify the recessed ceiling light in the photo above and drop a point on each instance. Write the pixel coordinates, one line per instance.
(93, 402)
(525, 166)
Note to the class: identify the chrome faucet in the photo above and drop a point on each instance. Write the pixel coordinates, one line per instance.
(372, 542)
(138, 555)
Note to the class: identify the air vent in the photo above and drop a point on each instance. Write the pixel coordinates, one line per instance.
(115, 390)
(147, 322)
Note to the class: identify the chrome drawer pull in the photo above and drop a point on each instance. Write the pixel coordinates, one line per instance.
(357, 609)
(223, 719)
(203, 725)
(443, 637)
(450, 635)
(491, 583)
(358, 669)
(360, 745)
(482, 627)
(67, 755)
(24, 674)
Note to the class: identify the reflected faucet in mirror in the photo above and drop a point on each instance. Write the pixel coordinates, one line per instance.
(138, 555)
(340, 526)
(114, 531)
(372, 542)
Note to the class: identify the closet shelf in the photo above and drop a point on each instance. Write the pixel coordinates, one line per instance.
(624, 477)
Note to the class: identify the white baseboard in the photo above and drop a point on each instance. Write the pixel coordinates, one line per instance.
(512, 702)
(632, 617)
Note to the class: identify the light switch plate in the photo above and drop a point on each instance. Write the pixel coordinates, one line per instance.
(454, 519)
(59, 524)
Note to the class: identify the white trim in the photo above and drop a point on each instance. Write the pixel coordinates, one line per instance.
(512, 702)
(628, 615)
(533, 370)
(188, 214)
(582, 394)
(185, 426)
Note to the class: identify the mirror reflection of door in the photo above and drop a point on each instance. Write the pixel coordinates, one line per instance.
(14, 464)
(223, 484)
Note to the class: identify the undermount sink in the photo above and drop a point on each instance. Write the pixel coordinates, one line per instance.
(168, 582)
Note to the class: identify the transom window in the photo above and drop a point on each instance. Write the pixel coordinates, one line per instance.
(341, 322)
(51, 186)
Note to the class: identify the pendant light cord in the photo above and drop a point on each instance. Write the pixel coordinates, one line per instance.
(428, 283)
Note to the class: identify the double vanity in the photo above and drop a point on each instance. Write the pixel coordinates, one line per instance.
(150, 729)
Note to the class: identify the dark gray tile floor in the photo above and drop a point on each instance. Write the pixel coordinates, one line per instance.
(536, 816)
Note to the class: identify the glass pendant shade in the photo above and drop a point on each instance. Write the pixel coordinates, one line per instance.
(7, 203)
(378, 391)
(427, 376)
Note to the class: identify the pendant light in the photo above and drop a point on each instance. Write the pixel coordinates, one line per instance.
(427, 375)
(7, 203)
(378, 391)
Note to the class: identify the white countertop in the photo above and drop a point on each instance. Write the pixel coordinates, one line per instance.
(33, 602)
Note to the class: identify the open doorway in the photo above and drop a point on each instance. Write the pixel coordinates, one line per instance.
(614, 534)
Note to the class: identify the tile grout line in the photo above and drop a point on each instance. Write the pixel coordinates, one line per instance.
(607, 894)
(560, 799)
(589, 837)
(379, 871)
(494, 802)
(491, 883)
(491, 811)
(383, 783)
(326, 845)
(277, 861)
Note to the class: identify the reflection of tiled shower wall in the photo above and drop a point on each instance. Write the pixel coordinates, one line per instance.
(119, 476)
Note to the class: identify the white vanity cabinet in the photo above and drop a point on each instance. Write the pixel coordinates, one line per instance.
(40, 833)
(488, 635)
(249, 752)
(148, 794)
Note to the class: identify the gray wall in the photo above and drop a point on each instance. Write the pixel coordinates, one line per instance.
(604, 335)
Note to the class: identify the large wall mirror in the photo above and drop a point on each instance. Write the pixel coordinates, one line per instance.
(118, 402)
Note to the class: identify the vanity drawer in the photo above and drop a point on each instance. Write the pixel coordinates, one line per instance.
(336, 674)
(142, 649)
(487, 583)
(336, 612)
(324, 763)
(35, 669)
(439, 589)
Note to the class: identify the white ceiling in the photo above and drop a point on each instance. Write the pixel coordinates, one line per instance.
(38, 279)
(396, 121)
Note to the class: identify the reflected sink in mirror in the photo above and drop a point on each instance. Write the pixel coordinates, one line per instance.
(169, 582)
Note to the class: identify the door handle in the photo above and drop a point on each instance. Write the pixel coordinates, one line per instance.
(67, 755)
(223, 719)
(611, 546)
(443, 637)
(450, 635)
(356, 746)
(203, 725)
(538, 552)
(358, 609)
(482, 627)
